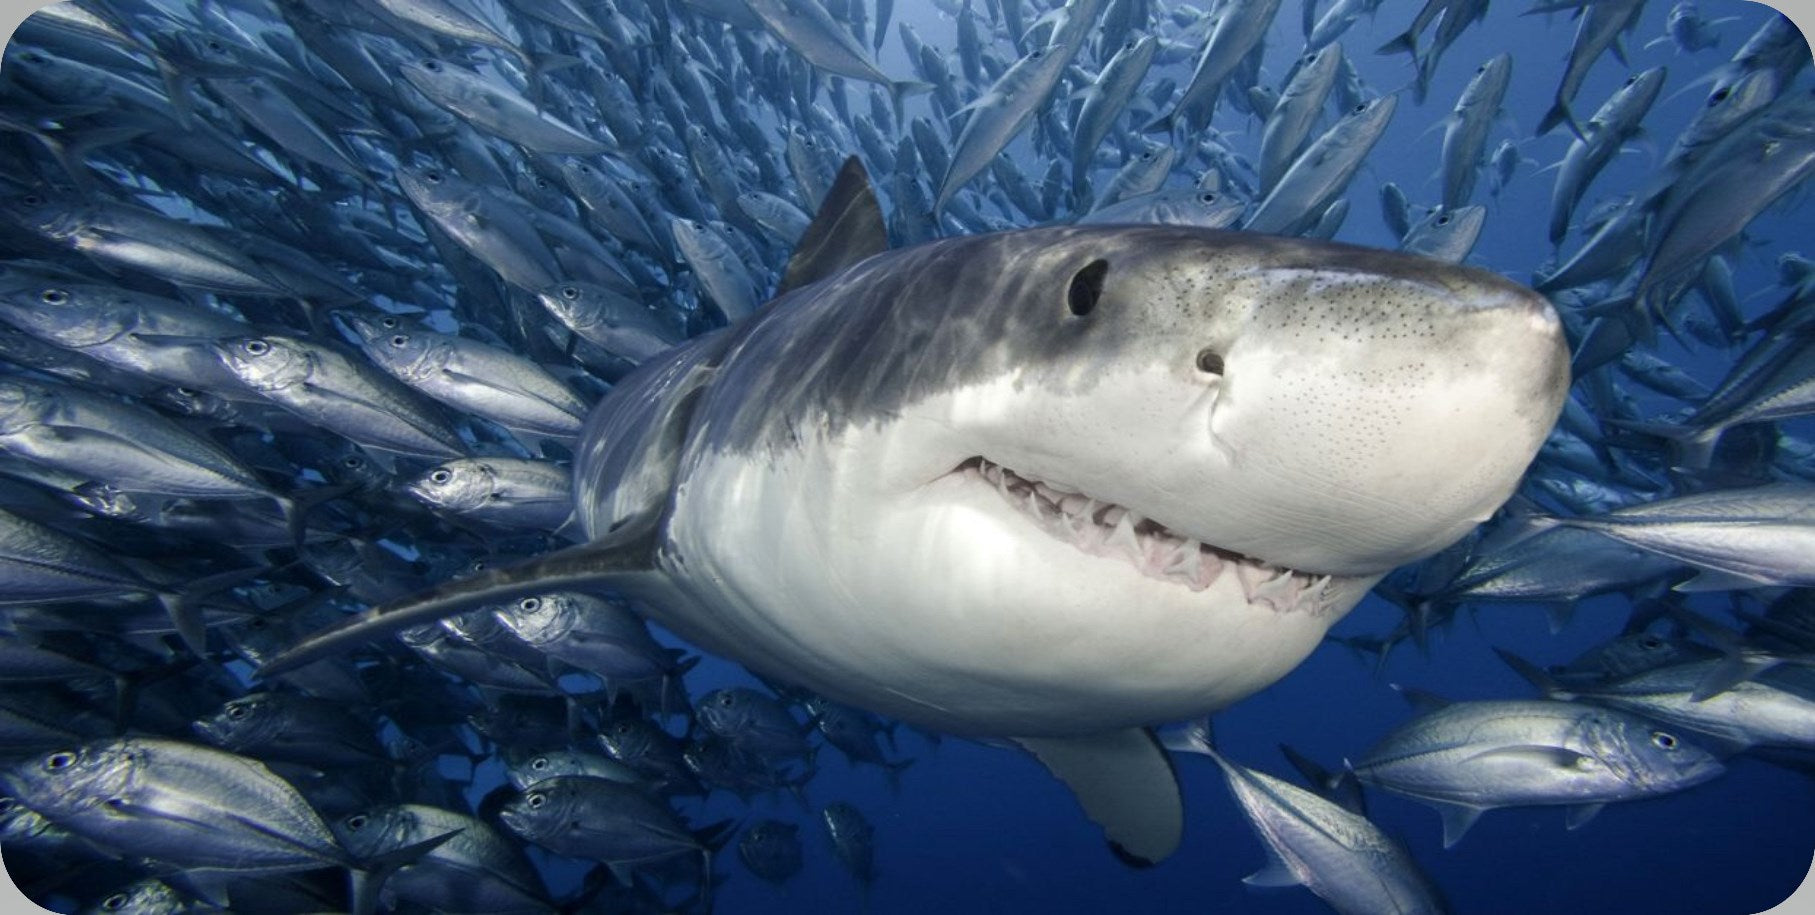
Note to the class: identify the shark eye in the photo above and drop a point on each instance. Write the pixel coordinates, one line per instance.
(1664, 741)
(1086, 287)
(1209, 361)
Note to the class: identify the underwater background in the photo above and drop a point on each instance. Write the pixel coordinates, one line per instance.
(973, 828)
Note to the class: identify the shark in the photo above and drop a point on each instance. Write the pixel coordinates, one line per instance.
(1053, 485)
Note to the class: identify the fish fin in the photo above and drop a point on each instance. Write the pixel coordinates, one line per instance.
(1456, 821)
(1559, 113)
(1422, 701)
(1731, 672)
(1532, 673)
(1126, 784)
(1276, 873)
(1195, 737)
(623, 556)
(1720, 580)
(1579, 815)
(848, 228)
(369, 877)
(1406, 43)
(1559, 613)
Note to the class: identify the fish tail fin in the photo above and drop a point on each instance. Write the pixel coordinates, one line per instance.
(1559, 113)
(1404, 43)
(899, 90)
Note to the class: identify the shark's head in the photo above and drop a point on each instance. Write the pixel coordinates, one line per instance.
(1323, 408)
(1080, 478)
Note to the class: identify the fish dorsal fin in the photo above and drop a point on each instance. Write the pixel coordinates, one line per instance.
(1125, 782)
(847, 229)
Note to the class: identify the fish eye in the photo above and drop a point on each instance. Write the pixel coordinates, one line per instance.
(433, 66)
(32, 200)
(58, 761)
(114, 903)
(539, 763)
(1663, 741)
(388, 322)
(1443, 220)
(257, 347)
(1086, 287)
(1720, 95)
(187, 392)
(53, 297)
(441, 476)
(432, 176)
(216, 46)
(1651, 643)
(351, 461)
(356, 822)
(236, 712)
(529, 604)
(725, 700)
(400, 340)
(1207, 196)
(535, 800)
(1360, 108)
(570, 292)
(1209, 361)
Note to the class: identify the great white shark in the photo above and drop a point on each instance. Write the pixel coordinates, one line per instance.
(1053, 485)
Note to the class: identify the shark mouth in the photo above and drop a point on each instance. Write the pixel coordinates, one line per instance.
(1102, 528)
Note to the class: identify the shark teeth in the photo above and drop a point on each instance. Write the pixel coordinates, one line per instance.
(1106, 529)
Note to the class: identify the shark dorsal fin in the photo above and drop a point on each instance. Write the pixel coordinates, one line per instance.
(847, 229)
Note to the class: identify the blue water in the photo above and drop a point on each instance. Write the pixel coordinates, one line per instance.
(981, 829)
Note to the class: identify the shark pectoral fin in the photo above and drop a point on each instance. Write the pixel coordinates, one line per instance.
(848, 228)
(618, 560)
(1457, 819)
(1125, 782)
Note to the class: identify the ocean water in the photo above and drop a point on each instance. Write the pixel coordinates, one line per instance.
(976, 828)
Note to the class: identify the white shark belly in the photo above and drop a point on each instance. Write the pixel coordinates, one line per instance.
(942, 606)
